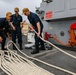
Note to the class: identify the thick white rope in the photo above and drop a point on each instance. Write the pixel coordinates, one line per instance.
(6, 65)
(2, 53)
(64, 70)
(16, 65)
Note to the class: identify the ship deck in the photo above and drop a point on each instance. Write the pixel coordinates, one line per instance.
(54, 57)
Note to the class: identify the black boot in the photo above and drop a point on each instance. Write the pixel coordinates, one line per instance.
(36, 50)
(42, 48)
(2, 47)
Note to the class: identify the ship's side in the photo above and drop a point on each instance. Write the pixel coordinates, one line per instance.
(57, 17)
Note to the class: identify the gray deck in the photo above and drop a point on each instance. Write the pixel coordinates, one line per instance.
(54, 57)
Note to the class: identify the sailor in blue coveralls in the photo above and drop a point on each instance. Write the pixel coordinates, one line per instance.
(4, 26)
(38, 26)
(16, 28)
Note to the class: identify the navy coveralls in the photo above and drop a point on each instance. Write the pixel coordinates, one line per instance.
(34, 19)
(16, 22)
(3, 24)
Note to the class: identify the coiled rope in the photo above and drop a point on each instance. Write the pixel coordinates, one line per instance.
(14, 64)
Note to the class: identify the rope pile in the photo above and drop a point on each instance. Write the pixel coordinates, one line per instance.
(14, 64)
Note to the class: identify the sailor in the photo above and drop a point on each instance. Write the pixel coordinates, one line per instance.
(4, 26)
(37, 24)
(16, 28)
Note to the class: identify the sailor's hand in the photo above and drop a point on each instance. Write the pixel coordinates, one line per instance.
(14, 28)
(1, 39)
(38, 34)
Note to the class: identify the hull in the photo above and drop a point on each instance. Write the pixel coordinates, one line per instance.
(59, 29)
